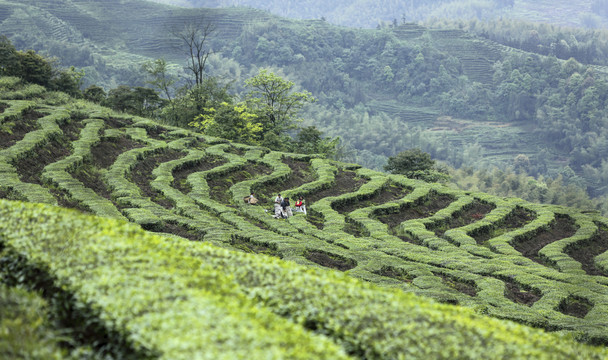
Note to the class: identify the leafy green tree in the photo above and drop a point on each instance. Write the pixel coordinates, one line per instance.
(233, 122)
(34, 68)
(161, 78)
(191, 102)
(121, 99)
(95, 94)
(134, 100)
(408, 161)
(9, 61)
(415, 164)
(68, 81)
(276, 142)
(147, 101)
(311, 141)
(275, 99)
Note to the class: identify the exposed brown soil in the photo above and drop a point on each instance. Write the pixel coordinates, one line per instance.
(218, 187)
(22, 126)
(248, 246)
(117, 123)
(417, 211)
(301, 173)
(65, 200)
(142, 175)
(355, 229)
(235, 150)
(257, 223)
(585, 251)
(162, 133)
(315, 218)
(157, 132)
(516, 219)
(561, 228)
(459, 285)
(575, 306)
(407, 239)
(476, 211)
(386, 194)
(30, 168)
(104, 154)
(11, 195)
(181, 174)
(91, 178)
(330, 260)
(175, 229)
(71, 130)
(394, 273)
(514, 292)
(345, 182)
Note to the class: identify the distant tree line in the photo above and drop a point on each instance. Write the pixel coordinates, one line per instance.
(563, 101)
(37, 69)
(268, 115)
(588, 46)
(511, 183)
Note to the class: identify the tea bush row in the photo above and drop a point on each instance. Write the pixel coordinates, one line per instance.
(9, 179)
(213, 303)
(192, 311)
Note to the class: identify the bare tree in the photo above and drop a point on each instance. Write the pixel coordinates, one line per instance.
(196, 37)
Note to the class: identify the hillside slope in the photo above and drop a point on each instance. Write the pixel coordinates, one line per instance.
(365, 13)
(130, 294)
(540, 265)
(463, 99)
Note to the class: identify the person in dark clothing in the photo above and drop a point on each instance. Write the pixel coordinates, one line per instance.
(286, 208)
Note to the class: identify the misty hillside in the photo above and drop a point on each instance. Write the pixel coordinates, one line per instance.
(468, 101)
(368, 14)
(118, 291)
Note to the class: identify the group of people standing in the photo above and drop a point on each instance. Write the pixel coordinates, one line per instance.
(282, 207)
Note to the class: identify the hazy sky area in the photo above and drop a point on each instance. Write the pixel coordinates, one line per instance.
(367, 13)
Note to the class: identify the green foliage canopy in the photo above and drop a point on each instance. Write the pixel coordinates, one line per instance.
(274, 97)
(415, 164)
(233, 122)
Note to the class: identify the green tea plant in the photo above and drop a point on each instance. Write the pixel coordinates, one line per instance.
(538, 265)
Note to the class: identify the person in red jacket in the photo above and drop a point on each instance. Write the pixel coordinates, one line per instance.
(300, 207)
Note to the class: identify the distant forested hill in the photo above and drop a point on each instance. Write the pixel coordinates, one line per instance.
(369, 13)
(464, 99)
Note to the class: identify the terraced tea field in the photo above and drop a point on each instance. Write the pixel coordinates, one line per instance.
(538, 265)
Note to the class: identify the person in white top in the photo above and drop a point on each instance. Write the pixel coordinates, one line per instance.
(277, 206)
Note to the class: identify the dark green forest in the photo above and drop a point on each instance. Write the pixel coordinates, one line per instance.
(477, 96)
(585, 45)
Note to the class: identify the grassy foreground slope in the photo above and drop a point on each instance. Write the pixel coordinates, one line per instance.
(23, 330)
(149, 296)
(539, 265)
